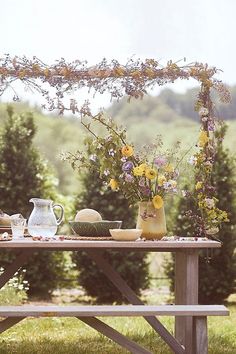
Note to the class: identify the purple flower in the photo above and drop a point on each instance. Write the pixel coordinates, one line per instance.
(176, 174)
(142, 182)
(210, 126)
(145, 190)
(129, 178)
(160, 161)
(127, 166)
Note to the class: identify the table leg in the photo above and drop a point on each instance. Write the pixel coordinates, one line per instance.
(130, 295)
(200, 335)
(186, 293)
(9, 322)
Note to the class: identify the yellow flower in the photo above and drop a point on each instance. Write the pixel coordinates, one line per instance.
(22, 74)
(198, 185)
(113, 184)
(137, 171)
(127, 151)
(203, 138)
(157, 202)
(149, 72)
(143, 167)
(150, 173)
(212, 214)
(224, 216)
(119, 71)
(169, 168)
(200, 204)
(46, 72)
(135, 74)
(161, 180)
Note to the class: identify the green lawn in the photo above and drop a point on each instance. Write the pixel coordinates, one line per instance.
(70, 336)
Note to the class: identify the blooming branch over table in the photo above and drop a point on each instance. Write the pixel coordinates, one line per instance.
(147, 175)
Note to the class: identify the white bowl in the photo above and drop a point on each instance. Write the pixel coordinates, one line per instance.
(125, 234)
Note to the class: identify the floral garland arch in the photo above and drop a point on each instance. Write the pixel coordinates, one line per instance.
(133, 80)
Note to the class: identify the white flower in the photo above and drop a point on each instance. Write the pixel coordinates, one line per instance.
(184, 193)
(93, 157)
(210, 203)
(109, 138)
(203, 112)
(172, 183)
(167, 185)
(192, 160)
(208, 163)
(111, 152)
(212, 230)
(106, 172)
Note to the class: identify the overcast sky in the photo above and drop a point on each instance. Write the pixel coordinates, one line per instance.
(202, 30)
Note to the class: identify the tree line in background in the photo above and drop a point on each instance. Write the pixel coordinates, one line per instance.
(170, 104)
(24, 173)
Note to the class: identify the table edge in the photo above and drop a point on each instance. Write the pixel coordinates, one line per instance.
(134, 245)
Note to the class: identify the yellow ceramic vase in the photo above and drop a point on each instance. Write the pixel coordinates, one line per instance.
(152, 221)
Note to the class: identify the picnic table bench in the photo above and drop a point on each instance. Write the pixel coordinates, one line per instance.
(190, 318)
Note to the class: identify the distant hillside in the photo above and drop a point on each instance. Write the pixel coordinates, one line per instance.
(169, 105)
(172, 115)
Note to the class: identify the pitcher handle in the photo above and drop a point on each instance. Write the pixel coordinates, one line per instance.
(59, 220)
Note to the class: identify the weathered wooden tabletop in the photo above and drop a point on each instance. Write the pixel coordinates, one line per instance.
(129, 245)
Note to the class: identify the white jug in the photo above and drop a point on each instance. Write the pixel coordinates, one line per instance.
(42, 220)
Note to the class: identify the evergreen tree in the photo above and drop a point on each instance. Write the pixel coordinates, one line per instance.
(23, 175)
(216, 277)
(132, 266)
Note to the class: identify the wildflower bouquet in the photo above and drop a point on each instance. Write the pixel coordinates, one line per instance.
(145, 175)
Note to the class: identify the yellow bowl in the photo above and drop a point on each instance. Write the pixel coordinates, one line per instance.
(125, 234)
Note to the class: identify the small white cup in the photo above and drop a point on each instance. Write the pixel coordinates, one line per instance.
(18, 228)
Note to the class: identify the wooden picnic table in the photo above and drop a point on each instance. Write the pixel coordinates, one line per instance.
(186, 285)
